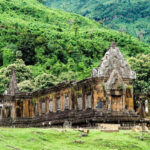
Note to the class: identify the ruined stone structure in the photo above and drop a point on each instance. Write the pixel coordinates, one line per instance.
(106, 96)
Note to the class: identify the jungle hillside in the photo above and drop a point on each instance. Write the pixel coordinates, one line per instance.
(131, 16)
(47, 46)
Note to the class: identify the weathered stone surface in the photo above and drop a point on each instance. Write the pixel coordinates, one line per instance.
(51, 105)
(88, 103)
(86, 130)
(67, 124)
(137, 128)
(109, 127)
(114, 80)
(145, 128)
(79, 102)
(113, 60)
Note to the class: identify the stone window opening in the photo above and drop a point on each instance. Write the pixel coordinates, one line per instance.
(79, 102)
(37, 109)
(29, 104)
(18, 112)
(8, 111)
(100, 103)
(58, 103)
(43, 107)
(19, 109)
(128, 93)
(88, 101)
(126, 107)
(66, 102)
(51, 105)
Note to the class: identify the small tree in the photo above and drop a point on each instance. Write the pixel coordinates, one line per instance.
(141, 64)
(44, 81)
(22, 71)
(26, 86)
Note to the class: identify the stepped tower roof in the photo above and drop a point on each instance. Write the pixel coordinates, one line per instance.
(114, 60)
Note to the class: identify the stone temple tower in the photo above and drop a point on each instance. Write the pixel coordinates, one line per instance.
(117, 78)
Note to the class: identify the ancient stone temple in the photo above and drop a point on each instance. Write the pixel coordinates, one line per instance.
(117, 79)
(106, 96)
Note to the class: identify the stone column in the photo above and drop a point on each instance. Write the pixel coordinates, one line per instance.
(95, 97)
(123, 98)
(83, 99)
(47, 105)
(62, 101)
(109, 100)
(70, 100)
(54, 103)
(123, 104)
(25, 108)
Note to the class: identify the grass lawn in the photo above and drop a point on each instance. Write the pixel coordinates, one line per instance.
(55, 139)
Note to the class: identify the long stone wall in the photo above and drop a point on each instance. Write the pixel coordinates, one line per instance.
(88, 94)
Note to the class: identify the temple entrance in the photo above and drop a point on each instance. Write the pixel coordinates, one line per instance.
(18, 113)
(116, 103)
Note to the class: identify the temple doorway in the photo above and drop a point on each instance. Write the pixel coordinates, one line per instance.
(116, 103)
(18, 113)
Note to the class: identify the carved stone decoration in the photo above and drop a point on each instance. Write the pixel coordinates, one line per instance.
(113, 59)
(67, 124)
(115, 81)
(13, 88)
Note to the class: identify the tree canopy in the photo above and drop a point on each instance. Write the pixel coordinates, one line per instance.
(141, 64)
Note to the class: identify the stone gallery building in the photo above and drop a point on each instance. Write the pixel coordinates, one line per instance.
(106, 96)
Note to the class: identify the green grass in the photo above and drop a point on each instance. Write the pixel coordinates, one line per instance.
(54, 139)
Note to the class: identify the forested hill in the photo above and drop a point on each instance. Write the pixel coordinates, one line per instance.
(62, 45)
(130, 16)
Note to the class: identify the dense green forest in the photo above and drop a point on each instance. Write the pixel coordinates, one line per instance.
(48, 46)
(130, 16)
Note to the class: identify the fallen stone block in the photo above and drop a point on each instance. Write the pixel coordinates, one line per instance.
(86, 130)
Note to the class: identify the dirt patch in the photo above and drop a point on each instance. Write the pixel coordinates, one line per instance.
(14, 148)
(79, 142)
